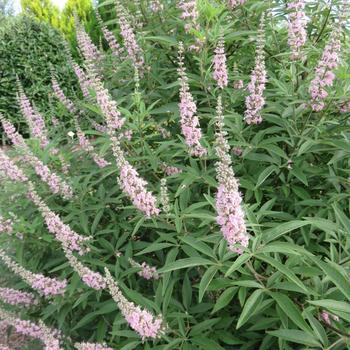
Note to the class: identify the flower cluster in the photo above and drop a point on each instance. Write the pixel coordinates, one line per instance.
(164, 196)
(156, 6)
(16, 297)
(91, 346)
(127, 33)
(228, 198)
(324, 75)
(88, 49)
(234, 3)
(219, 63)
(255, 101)
(110, 38)
(189, 14)
(170, 170)
(10, 169)
(56, 184)
(63, 233)
(326, 317)
(83, 141)
(39, 331)
(35, 121)
(84, 81)
(189, 121)
(296, 27)
(44, 285)
(90, 278)
(146, 271)
(345, 107)
(132, 184)
(142, 321)
(6, 225)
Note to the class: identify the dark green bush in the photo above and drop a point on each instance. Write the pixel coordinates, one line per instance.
(28, 49)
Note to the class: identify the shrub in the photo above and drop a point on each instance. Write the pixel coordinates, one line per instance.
(206, 203)
(29, 50)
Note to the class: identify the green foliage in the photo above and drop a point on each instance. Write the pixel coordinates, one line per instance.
(293, 173)
(63, 20)
(28, 49)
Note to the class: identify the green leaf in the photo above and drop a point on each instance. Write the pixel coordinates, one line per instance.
(331, 304)
(281, 229)
(285, 271)
(250, 307)
(205, 281)
(296, 336)
(290, 309)
(238, 263)
(224, 299)
(184, 263)
(264, 175)
(198, 245)
(335, 276)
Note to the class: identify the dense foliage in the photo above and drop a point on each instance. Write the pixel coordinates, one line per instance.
(63, 20)
(158, 229)
(28, 50)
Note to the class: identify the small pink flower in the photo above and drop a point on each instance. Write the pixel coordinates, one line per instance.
(234, 3)
(189, 121)
(91, 346)
(255, 101)
(16, 297)
(219, 63)
(323, 73)
(296, 27)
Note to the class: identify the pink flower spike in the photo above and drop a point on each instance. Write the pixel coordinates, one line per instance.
(189, 121)
(142, 321)
(49, 337)
(234, 3)
(44, 285)
(16, 297)
(255, 101)
(296, 27)
(91, 346)
(219, 63)
(323, 73)
(228, 198)
(33, 118)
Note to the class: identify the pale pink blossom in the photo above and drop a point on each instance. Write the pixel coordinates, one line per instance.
(17, 297)
(11, 170)
(170, 170)
(296, 27)
(142, 321)
(84, 81)
(255, 100)
(132, 184)
(62, 232)
(110, 38)
(228, 198)
(324, 76)
(92, 279)
(56, 184)
(6, 225)
(156, 6)
(238, 84)
(91, 346)
(146, 271)
(326, 317)
(88, 49)
(127, 32)
(189, 14)
(33, 118)
(234, 3)
(50, 337)
(44, 285)
(219, 63)
(189, 121)
(345, 107)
